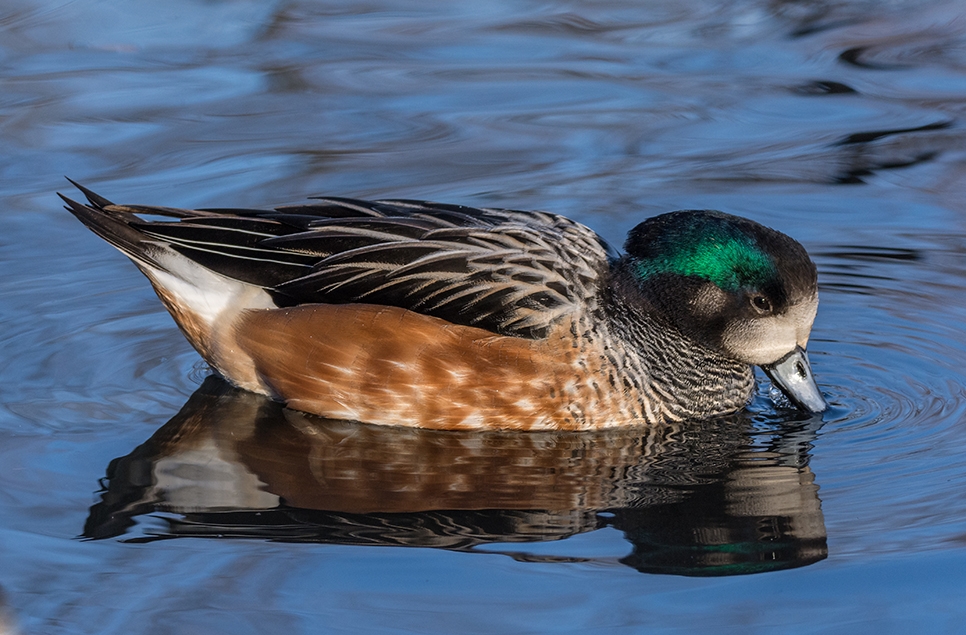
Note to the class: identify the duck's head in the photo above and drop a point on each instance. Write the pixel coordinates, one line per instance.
(735, 286)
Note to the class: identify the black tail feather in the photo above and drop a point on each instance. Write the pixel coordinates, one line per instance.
(112, 226)
(98, 201)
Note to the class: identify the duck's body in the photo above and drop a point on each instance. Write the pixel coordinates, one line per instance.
(436, 316)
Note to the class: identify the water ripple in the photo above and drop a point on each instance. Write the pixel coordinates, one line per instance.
(841, 123)
(896, 380)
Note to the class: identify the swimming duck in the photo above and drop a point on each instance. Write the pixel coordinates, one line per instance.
(412, 313)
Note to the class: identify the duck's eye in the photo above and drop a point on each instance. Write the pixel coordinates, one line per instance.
(761, 303)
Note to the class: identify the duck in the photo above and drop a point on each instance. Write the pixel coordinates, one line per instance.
(413, 313)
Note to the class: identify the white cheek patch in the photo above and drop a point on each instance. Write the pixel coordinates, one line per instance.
(760, 341)
(804, 315)
(767, 339)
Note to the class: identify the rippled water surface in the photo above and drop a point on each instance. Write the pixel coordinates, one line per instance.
(138, 495)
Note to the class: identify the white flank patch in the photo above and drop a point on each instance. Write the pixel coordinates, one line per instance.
(207, 294)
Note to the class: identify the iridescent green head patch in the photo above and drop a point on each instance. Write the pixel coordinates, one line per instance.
(707, 245)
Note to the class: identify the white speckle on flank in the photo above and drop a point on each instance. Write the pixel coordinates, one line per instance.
(474, 420)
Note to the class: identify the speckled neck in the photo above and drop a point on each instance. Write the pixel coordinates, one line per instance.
(675, 377)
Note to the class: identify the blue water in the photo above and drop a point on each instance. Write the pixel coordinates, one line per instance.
(139, 496)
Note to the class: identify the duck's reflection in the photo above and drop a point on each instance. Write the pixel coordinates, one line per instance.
(721, 497)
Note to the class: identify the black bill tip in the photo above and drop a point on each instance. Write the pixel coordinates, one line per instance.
(792, 374)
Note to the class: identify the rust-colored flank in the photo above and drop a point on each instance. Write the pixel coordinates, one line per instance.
(388, 365)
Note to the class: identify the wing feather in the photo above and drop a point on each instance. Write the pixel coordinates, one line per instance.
(511, 272)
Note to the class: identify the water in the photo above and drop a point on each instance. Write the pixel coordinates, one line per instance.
(138, 496)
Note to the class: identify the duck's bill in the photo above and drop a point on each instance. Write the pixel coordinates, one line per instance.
(793, 375)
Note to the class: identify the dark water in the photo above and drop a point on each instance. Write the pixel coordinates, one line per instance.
(138, 496)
